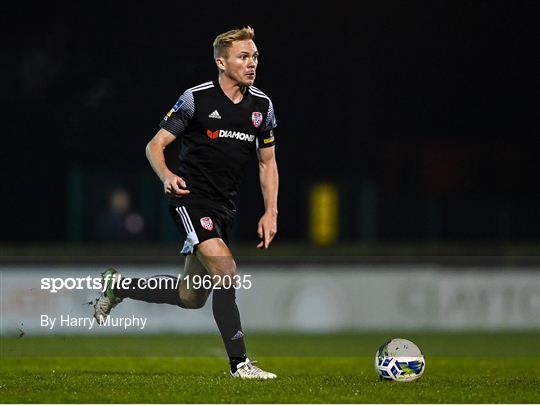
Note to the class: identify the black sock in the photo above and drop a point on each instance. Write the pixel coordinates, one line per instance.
(234, 361)
(157, 289)
(228, 321)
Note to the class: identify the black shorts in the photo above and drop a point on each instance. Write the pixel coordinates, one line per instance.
(200, 223)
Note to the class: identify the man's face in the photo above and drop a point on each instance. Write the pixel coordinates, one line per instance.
(241, 62)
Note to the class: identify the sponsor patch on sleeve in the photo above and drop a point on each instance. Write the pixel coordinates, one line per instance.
(177, 106)
(270, 138)
(169, 114)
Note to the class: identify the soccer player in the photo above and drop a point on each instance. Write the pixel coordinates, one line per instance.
(219, 124)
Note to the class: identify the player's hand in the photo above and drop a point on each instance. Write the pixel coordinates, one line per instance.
(175, 186)
(267, 229)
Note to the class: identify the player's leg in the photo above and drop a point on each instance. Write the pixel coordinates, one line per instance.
(162, 288)
(217, 259)
(193, 295)
(219, 262)
(166, 289)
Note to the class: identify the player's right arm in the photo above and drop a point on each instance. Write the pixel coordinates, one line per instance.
(172, 183)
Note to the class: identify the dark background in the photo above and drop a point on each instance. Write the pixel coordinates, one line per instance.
(424, 115)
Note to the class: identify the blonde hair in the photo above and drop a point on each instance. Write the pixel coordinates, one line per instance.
(223, 41)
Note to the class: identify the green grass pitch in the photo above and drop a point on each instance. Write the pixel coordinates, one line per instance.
(460, 368)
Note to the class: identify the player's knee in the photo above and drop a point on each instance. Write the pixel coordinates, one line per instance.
(227, 270)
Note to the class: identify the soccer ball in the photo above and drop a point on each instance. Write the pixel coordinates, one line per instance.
(399, 360)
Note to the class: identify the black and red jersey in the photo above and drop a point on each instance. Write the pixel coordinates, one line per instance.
(216, 138)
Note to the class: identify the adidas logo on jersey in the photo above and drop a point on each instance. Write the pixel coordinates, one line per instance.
(214, 114)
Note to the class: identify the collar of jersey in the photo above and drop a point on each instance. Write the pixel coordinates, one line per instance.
(220, 90)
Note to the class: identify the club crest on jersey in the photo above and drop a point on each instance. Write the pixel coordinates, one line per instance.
(207, 224)
(256, 119)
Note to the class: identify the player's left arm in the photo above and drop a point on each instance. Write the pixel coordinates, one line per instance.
(268, 176)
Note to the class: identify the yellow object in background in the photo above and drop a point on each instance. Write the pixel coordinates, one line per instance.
(323, 214)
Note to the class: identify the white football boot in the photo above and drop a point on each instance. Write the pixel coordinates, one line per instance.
(107, 300)
(246, 370)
